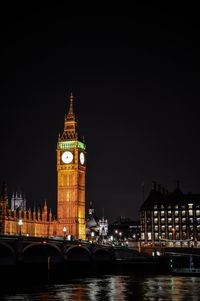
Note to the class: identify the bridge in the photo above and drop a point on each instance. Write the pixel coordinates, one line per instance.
(27, 249)
(23, 257)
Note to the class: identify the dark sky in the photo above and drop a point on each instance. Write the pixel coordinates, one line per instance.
(135, 80)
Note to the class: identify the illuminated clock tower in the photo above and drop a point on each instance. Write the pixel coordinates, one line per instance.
(71, 169)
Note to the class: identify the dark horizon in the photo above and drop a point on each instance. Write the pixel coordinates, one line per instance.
(135, 82)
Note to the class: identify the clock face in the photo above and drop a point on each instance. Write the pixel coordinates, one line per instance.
(67, 157)
(82, 158)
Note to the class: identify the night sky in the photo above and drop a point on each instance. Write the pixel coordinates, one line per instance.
(135, 81)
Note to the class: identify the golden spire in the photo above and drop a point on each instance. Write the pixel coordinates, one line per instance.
(70, 124)
(70, 116)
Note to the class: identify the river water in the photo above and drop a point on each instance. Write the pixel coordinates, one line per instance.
(110, 288)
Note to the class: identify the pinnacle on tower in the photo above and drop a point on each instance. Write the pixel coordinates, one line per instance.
(70, 116)
(70, 124)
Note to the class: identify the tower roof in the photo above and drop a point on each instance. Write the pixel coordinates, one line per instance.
(71, 116)
(70, 124)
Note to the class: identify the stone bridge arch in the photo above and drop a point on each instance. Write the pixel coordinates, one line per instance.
(40, 252)
(101, 254)
(78, 254)
(7, 254)
(6, 249)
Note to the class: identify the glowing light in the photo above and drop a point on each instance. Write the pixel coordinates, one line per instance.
(67, 157)
(71, 144)
(64, 232)
(20, 222)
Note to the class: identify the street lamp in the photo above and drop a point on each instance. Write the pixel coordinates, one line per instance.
(92, 236)
(64, 232)
(20, 223)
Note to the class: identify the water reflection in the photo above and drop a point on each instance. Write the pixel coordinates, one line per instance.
(171, 288)
(114, 288)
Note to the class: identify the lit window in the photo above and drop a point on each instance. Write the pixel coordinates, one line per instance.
(176, 206)
(163, 235)
(184, 220)
(162, 213)
(183, 213)
(177, 236)
(190, 212)
(197, 212)
(155, 213)
(155, 220)
(163, 228)
(184, 228)
(198, 220)
(170, 235)
(176, 213)
(198, 228)
(190, 206)
(191, 228)
(169, 213)
(149, 235)
(170, 220)
(162, 207)
(162, 220)
(142, 236)
(156, 228)
(170, 228)
(177, 228)
(176, 220)
(191, 220)
(156, 236)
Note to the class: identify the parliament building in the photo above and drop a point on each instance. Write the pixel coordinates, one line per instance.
(71, 171)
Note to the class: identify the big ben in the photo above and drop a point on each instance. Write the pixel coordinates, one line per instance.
(71, 169)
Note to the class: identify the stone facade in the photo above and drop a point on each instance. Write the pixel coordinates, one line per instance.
(71, 170)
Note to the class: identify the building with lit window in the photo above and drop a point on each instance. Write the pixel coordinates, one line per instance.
(15, 219)
(170, 218)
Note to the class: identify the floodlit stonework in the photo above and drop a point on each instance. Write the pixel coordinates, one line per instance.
(71, 170)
